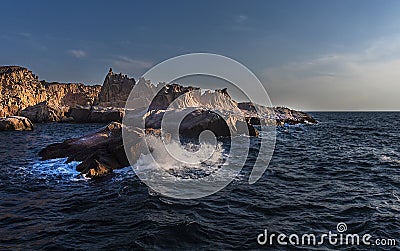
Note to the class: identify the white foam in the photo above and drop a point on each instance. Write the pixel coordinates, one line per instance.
(177, 158)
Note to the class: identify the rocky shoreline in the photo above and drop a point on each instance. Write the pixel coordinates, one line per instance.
(22, 94)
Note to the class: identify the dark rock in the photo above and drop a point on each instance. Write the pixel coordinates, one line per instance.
(115, 90)
(257, 114)
(43, 112)
(96, 151)
(15, 123)
(96, 114)
(80, 114)
(100, 152)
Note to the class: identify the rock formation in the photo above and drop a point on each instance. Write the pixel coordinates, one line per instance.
(96, 114)
(43, 112)
(100, 152)
(189, 109)
(15, 123)
(115, 90)
(20, 89)
(256, 114)
(21, 93)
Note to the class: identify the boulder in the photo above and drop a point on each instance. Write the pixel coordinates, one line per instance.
(15, 123)
(80, 114)
(106, 115)
(43, 112)
(99, 152)
(96, 114)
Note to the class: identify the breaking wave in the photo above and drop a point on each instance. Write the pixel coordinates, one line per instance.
(187, 160)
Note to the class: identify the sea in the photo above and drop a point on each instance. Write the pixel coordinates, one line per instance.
(341, 176)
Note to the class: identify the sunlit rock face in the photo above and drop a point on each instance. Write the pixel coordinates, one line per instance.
(20, 88)
(115, 90)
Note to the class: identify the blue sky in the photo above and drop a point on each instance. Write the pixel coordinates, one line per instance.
(311, 55)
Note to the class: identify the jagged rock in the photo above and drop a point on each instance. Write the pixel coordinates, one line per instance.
(292, 117)
(257, 114)
(115, 90)
(20, 88)
(187, 108)
(103, 151)
(43, 112)
(71, 94)
(15, 123)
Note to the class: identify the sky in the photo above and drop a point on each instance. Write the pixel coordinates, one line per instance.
(309, 55)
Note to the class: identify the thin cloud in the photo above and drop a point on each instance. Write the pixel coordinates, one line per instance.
(129, 65)
(77, 53)
(366, 80)
(240, 23)
(240, 18)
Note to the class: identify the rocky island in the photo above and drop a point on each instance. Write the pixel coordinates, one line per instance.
(23, 94)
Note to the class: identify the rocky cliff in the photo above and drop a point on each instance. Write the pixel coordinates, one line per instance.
(115, 90)
(20, 88)
(21, 93)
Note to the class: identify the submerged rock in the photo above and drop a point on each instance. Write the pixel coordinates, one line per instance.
(15, 123)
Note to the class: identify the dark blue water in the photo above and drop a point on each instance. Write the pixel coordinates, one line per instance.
(345, 169)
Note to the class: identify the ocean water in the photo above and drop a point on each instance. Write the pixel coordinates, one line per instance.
(345, 169)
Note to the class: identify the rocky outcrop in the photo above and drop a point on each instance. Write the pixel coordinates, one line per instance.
(100, 152)
(15, 123)
(43, 112)
(103, 151)
(115, 90)
(96, 114)
(71, 95)
(260, 115)
(196, 121)
(20, 88)
(187, 109)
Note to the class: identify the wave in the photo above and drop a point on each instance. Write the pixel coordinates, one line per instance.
(56, 169)
(188, 161)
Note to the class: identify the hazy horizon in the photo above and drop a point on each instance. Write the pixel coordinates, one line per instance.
(309, 55)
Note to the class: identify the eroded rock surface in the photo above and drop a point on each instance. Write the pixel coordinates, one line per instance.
(15, 123)
(20, 89)
(115, 90)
